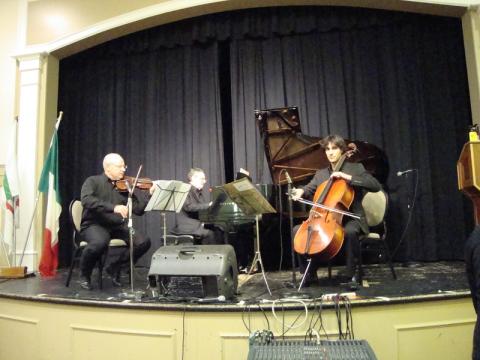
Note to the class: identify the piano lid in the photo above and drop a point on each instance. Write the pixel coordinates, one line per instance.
(286, 147)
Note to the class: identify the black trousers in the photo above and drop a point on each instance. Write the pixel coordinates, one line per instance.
(472, 265)
(350, 243)
(98, 238)
(213, 235)
(476, 340)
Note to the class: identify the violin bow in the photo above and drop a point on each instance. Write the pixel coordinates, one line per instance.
(343, 212)
(136, 177)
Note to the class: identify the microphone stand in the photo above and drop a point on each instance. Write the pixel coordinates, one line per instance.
(138, 294)
(130, 235)
(410, 207)
(290, 215)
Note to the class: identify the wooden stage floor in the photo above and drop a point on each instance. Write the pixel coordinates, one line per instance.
(424, 281)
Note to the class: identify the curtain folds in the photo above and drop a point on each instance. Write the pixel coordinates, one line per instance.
(159, 108)
(402, 87)
(261, 23)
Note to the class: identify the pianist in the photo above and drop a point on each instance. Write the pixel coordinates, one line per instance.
(187, 220)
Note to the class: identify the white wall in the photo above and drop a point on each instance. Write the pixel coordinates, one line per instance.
(14, 29)
(11, 39)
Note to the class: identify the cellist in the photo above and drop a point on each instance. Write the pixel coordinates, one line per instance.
(356, 176)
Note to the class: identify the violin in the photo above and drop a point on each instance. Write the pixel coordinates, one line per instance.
(126, 183)
(322, 233)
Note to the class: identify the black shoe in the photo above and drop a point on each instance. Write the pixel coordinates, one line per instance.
(85, 283)
(114, 274)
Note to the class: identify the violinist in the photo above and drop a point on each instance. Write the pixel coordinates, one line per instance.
(187, 222)
(361, 181)
(105, 216)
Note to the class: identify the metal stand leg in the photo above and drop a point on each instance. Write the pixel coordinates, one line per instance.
(137, 295)
(309, 261)
(164, 219)
(130, 231)
(292, 249)
(258, 256)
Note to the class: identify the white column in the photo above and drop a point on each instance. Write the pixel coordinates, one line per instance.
(471, 38)
(29, 72)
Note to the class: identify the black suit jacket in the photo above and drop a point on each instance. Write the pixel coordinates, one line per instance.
(362, 182)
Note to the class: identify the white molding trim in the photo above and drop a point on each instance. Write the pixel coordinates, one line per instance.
(163, 8)
(175, 10)
(30, 69)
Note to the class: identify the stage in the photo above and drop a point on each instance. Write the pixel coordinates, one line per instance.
(427, 311)
(416, 282)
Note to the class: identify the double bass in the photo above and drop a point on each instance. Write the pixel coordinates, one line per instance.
(322, 233)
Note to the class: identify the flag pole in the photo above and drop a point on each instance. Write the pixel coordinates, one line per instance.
(30, 227)
(60, 114)
(5, 251)
(14, 203)
(14, 240)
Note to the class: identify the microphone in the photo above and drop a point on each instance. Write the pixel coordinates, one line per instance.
(289, 179)
(401, 173)
(220, 298)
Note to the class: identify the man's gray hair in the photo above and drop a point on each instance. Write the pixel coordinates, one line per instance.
(110, 159)
(194, 171)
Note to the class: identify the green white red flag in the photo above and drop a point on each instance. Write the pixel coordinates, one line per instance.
(49, 185)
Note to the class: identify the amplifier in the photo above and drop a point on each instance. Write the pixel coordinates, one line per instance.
(322, 350)
(194, 271)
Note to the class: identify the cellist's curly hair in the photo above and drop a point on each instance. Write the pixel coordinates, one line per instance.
(334, 139)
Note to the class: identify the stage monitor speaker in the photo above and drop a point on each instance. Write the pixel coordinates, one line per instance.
(194, 271)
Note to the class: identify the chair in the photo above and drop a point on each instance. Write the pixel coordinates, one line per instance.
(375, 205)
(75, 211)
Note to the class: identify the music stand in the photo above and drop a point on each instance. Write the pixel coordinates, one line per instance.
(169, 196)
(251, 202)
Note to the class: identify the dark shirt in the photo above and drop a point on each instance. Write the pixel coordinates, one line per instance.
(187, 219)
(361, 182)
(99, 198)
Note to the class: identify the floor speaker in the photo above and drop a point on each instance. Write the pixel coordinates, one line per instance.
(194, 271)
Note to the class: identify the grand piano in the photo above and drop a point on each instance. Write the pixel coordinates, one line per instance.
(286, 148)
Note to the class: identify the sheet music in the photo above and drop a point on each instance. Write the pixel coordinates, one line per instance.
(169, 195)
(247, 197)
(243, 185)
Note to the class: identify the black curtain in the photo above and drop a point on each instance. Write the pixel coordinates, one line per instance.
(398, 84)
(163, 98)
(158, 108)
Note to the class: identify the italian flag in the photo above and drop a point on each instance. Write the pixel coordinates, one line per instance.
(10, 200)
(49, 185)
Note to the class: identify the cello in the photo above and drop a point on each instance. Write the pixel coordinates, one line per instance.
(322, 233)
